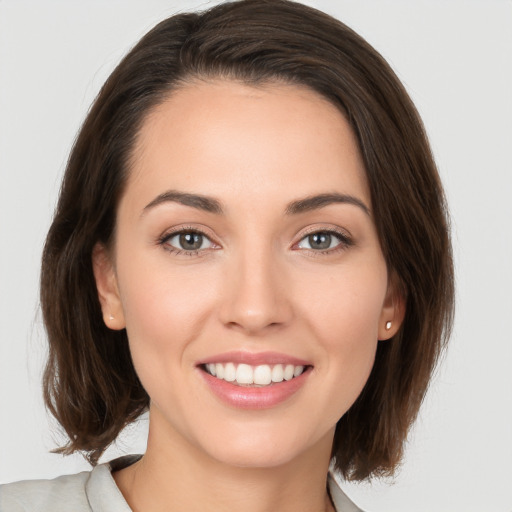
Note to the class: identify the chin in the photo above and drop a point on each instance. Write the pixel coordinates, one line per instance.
(256, 458)
(266, 449)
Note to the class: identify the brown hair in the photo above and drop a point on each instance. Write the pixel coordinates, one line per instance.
(90, 384)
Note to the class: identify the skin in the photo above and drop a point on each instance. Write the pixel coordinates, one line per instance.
(255, 285)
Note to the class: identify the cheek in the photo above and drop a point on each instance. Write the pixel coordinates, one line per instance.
(163, 313)
(345, 318)
(159, 299)
(348, 303)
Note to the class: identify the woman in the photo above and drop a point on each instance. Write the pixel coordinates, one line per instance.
(251, 241)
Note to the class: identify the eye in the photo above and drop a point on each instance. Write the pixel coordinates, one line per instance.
(190, 241)
(323, 241)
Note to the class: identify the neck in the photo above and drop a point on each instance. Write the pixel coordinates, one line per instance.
(176, 474)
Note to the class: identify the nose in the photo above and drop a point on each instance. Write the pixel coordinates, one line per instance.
(257, 298)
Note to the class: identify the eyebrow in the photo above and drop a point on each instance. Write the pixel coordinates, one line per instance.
(321, 200)
(212, 205)
(205, 203)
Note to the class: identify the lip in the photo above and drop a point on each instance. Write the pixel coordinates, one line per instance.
(249, 397)
(254, 359)
(265, 397)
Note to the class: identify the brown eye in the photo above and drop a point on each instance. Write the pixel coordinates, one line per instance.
(191, 241)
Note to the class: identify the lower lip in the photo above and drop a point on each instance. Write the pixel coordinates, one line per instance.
(245, 397)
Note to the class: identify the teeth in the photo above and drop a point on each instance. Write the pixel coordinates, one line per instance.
(219, 371)
(262, 375)
(278, 373)
(230, 372)
(289, 371)
(298, 370)
(246, 375)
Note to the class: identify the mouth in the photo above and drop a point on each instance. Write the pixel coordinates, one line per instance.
(256, 381)
(246, 375)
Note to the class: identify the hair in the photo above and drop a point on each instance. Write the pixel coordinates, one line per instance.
(90, 384)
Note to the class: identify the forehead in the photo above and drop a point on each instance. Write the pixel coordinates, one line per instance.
(225, 138)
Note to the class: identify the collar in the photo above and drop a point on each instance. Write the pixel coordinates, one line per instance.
(103, 493)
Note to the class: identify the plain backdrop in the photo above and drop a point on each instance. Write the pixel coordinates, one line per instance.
(454, 58)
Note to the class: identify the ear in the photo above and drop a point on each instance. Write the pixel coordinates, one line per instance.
(108, 291)
(393, 309)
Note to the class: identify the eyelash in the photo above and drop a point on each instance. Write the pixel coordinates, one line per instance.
(164, 239)
(345, 241)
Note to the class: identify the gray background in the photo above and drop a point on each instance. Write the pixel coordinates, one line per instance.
(454, 58)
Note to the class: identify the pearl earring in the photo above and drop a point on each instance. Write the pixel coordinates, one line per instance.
(111, 317)
(388, 326)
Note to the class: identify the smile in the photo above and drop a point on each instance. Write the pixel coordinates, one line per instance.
(249, 375)
(245, 380)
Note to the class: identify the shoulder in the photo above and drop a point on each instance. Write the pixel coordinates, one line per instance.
(62, 493)
(89, 491)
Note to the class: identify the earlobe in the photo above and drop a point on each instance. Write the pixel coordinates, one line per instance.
(393, 310)
(106, 285)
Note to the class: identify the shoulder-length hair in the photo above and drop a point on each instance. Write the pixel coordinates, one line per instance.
(90, 384)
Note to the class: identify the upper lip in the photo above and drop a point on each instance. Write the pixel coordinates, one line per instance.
(254, 359)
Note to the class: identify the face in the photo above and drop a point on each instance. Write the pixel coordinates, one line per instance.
(247, 271)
